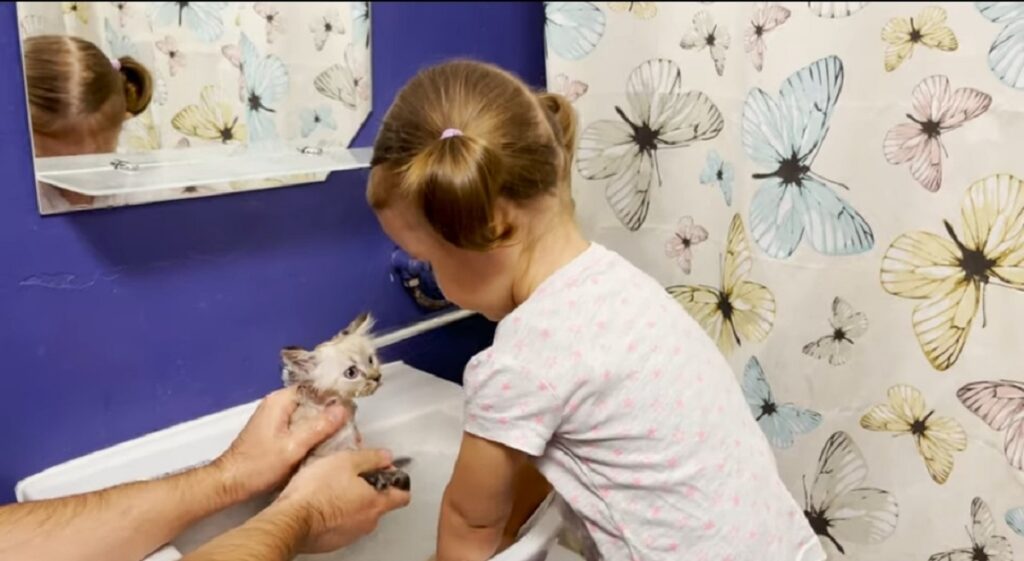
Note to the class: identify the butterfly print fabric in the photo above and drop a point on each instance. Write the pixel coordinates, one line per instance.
(833, 191)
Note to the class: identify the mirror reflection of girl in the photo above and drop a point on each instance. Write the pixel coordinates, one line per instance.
(78, 100)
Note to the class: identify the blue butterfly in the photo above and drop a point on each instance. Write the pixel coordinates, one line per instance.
(718, 172)
(1015, 520)
(361, 23)
(201, 18)
(266, 84)
(316, 117)
(1006, 55)
(572, 29)
(120, 45)
(418, 279)
(784, 136)
(780, 422)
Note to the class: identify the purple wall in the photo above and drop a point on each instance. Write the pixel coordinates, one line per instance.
(116, 323)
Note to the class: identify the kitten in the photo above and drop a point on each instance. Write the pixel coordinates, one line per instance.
(338, 371)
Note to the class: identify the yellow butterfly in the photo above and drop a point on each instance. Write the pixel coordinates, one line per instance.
(951, 275)
(929, 29)
(141, 134)
(936, 437)
(742, 311)
(79, 9)
(210, 119)
(642, 10)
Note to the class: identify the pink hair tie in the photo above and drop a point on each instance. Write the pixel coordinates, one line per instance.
(448, 133)
(116, 64)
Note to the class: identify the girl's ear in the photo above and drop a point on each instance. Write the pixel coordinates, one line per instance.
(298, 364)
(359, 326)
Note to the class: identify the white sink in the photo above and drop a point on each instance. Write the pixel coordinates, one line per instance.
(413, 414)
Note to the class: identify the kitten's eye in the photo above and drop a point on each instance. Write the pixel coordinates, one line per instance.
(351, 373)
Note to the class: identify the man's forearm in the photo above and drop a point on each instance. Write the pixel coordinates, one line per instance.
(123, 523)
(273, 535)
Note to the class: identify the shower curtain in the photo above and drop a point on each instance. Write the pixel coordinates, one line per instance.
(834, 191)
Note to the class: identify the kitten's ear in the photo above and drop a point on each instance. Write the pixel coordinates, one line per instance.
(298, 364)
(359, 326)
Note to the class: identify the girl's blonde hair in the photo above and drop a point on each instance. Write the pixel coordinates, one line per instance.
(507, 143)
(72, 84)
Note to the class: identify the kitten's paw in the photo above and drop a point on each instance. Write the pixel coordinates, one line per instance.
(381, 479)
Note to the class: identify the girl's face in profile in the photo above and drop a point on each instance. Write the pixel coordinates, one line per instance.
(473, 280)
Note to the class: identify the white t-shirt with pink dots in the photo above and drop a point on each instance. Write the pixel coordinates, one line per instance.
(636, 419)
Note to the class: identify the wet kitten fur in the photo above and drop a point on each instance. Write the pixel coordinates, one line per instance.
(338, 371)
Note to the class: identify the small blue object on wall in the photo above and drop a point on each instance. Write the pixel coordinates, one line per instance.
(418, 280)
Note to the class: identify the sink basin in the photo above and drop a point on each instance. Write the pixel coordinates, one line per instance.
(414, 414)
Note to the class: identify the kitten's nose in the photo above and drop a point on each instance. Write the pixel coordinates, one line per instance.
(374, 375)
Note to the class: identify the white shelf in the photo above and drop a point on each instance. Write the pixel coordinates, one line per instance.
(96, 174)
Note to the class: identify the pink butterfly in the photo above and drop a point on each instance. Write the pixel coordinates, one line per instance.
(571, 89)
(1001, 405)
(175, 58)
(937, 110)
(272, 16)
(234, 55)
(765, 18)
(680, 245)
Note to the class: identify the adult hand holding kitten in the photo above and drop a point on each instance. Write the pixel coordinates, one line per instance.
(267, 451)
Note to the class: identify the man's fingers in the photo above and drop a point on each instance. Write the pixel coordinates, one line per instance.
(281, 403)
(395, 499)
(316, 430)
(368, 460)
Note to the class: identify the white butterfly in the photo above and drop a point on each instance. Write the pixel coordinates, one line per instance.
(838, 509)
(32, 25)
(325, 26)
(985, 544)
(835, 9)
(658, 115)
(765, 17)
(272, 16)
(706, 33)
(847, 325)
(345, 82)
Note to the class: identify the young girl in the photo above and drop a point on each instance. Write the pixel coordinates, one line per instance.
(78, 100)
(596, 375)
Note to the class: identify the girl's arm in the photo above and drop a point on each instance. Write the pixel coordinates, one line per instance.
(531, 488)
(478, 500)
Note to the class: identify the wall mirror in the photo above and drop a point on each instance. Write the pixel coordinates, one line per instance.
(138, 102)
